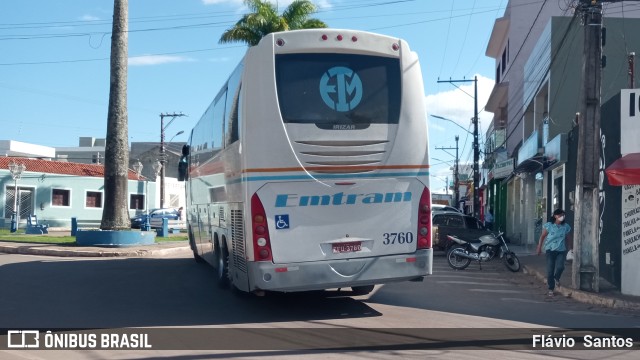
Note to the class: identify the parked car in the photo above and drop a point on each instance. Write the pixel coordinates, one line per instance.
(166, 213)
(440, 207)
(454, 223)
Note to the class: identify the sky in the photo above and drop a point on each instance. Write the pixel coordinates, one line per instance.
(54, 64)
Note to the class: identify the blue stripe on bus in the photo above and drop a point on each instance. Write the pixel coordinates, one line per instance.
(328, 176)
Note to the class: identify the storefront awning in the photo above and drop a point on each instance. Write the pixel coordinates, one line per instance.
(531, 165)
(625, 171)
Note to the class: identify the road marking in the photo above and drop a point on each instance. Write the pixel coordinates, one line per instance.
(523, 300)
(471, 271)
(471, 283)
(496, 276)
(471, 278)
(574, 312)
(497, 291)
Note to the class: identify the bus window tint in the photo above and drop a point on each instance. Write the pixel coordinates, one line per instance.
(338, 89)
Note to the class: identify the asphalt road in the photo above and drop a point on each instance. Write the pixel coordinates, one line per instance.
(46, 292)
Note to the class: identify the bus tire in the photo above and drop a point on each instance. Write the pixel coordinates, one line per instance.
(222, 266)
(362, 290)
(194, 249)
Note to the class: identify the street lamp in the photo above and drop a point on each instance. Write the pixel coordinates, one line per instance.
(476, 143)
(476, 158)
(455, 123)
(178, 133)
(16, 173)
(162, 153)
(446, 182)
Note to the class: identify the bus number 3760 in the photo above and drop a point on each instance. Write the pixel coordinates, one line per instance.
(400, 238)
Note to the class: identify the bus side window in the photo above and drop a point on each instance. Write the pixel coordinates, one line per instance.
(183, 165)
(232, 118)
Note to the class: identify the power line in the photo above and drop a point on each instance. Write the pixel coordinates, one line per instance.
(211, 24)
(466, 33)
(131, 57)
(476, 145)
(446, 41)
(180, 17)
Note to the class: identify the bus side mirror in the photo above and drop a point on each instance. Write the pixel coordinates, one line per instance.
(183, 165)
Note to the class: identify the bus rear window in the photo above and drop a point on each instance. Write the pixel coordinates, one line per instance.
(338, 89)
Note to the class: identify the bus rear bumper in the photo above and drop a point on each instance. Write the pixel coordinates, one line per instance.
(331, 274)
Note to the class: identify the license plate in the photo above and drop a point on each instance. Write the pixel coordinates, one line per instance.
(347, 247)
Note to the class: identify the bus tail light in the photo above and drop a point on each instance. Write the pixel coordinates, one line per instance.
(261, 242)
(424, 220)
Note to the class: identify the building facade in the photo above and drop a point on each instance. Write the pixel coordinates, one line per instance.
(56, 191)
(536, 105)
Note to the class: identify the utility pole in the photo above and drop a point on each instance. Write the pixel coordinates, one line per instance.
(455, 171)
(163, 158)
(587, 211)
(476, 144)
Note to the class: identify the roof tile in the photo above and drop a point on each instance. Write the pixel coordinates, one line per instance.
(61, 167)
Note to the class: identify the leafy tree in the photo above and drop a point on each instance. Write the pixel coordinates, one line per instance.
(115, 215)
(264, 19)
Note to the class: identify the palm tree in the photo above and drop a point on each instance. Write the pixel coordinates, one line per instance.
(115, 215)
(264, 19)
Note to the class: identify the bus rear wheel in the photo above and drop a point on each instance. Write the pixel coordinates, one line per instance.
(222, 267)
(194, 249)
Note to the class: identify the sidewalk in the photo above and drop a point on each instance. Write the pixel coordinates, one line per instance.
(608, 296)
(64, 250)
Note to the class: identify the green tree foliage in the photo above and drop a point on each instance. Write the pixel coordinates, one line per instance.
(264, 19)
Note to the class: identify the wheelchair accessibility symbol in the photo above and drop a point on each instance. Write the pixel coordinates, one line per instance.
(282, 222)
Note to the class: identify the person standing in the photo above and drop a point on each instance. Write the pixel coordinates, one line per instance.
(556, 241)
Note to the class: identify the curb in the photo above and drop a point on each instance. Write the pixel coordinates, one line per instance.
(30, 250)
(586, 297)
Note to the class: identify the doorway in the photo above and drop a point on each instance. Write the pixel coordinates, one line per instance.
(24, 203)
(558, 188)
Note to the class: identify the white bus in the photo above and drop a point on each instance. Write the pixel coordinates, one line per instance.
(309, 170)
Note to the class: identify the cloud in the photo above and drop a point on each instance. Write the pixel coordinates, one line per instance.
(145, 60)
(88, 17)
(434, 126)
(454, 104)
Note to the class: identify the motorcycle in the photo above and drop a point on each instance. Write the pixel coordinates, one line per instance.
(481, 250)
